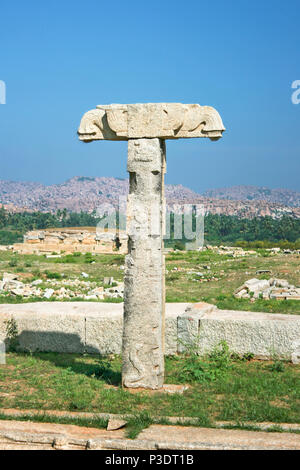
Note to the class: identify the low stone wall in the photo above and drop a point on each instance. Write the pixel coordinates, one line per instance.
(96, 328)
(262, 334)
(71, 240)
(77, 327)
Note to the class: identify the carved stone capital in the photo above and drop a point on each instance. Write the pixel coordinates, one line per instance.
(150, 120)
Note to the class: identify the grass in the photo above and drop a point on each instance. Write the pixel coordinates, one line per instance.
(216, 285)
(222, 387)
(229, 302)
(48, 418)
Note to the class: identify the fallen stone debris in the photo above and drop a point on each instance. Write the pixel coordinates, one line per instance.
(278, 289)
(232, 251)
(238, 252)
(61, 289)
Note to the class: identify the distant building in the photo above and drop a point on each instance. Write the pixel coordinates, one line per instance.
(71, 240)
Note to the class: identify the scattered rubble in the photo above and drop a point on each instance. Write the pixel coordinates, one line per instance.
(273, 250)
(236, 252)
(115, 423)
(6, 247)
(61, 289)
(278, 289)
(9, 277)
(48, 293)
(232, 251)
(108, 281)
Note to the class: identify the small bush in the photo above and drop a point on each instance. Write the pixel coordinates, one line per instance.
(173, 277)
(220, 357)
(88, 258)
(74, 258)
(53, 275)
(277, 364)
(12, 334)
(13, 263)
(247, 356)
(205, 369)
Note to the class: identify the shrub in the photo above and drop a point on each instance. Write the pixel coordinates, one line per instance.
(205, 369)
(13, 263)
(12, 334)
(220, 357)
(88, 258)
(277, 364)
(53, 275)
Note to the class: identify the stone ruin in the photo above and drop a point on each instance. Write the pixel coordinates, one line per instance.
(71, 240)
(146, 126)
(61, 289)
(277, 289)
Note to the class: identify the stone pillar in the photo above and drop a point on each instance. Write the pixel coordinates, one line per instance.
(143, 355)
(163, 221)
(146, 126)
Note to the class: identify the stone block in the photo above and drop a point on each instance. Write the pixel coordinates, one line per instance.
(77, 327)
(104, 331)
(150, 120)
(262, 334)
(46, 326)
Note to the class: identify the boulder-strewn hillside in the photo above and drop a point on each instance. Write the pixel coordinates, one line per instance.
(87, 194)
(255, 193)
(76, 194)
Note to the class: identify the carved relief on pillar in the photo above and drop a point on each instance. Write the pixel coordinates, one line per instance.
(143, 362)
(150, 120)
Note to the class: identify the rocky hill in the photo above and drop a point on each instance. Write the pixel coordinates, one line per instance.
(87, 194)
(255, 193)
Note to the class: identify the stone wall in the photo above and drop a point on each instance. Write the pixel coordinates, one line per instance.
(96, 328)
(70, 240)
(77, 327)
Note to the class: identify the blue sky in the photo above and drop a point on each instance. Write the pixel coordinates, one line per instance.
(62, 58)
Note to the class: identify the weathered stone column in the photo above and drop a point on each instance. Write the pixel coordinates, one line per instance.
(146, 126)
(143, 358)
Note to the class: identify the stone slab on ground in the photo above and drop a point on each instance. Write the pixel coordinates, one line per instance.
(170, 437)
(170, 389)
(114, 424)
(49, 435)
(19, 435)
(96, 327)
(77, 327)
(46, 326)
(262, 334)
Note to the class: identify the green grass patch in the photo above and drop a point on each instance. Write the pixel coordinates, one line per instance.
(94, 422)
(229, 302)
(216, 285)
(221, 387)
